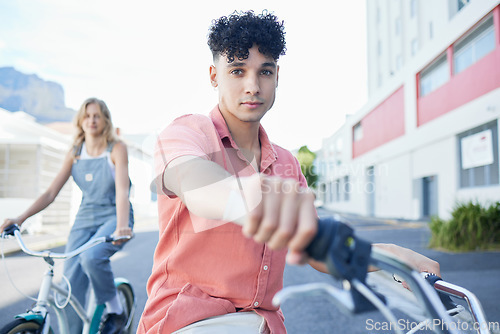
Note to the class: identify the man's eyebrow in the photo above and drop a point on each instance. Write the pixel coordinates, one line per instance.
(242, 64)
(236, 64)
(269, 64)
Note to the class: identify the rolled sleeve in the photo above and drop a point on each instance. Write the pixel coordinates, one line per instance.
(184, 136)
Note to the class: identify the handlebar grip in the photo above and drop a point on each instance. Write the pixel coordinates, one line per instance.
(9, 230)
(346, 256)
(318, 248)
(112, 238)
(448, 303)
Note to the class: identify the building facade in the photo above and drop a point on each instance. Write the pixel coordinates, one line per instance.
(427, 138)
(30, 157)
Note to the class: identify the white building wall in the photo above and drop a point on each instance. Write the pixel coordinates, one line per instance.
(384, 15)
(427, 150)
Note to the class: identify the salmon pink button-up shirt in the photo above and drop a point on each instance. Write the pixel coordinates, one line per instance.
(204, 268)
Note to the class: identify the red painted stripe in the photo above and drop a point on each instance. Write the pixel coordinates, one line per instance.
(475, 81)
(383, 124)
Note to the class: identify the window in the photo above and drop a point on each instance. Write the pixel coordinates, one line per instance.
(399, 62)
(337, 191)
(379, 47)
(478, 156)
(431, 30)
(414, 46)
(358, 132)
(413, 8)
(397, 26)
(462, 3)
(347, 188)
(434, 76)
(474, 46)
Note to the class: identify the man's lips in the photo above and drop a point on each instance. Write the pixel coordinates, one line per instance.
(252, 104)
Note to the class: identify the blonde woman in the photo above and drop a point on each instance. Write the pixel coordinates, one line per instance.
(98, 163)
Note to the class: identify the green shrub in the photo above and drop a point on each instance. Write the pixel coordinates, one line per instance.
(471, 227)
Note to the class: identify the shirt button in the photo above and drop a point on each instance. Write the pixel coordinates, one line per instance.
(256, 304)
(266, 267)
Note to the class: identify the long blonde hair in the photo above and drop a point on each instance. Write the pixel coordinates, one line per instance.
(108, 132)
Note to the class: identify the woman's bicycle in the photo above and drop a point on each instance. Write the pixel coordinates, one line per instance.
(52, 296)
(428, 307)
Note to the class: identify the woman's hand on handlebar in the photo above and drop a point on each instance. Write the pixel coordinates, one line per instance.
(10, 221)
(122, 232)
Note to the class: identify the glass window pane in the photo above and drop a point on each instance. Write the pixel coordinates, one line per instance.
(463, 59)
(485, 44)
(474, 46)
(434, 78)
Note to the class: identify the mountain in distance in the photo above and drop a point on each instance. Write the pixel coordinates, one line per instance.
(42, 99)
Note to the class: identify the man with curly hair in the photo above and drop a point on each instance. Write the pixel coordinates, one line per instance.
(211, 275)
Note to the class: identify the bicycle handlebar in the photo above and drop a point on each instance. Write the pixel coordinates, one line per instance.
(13, 230)
(348, 257)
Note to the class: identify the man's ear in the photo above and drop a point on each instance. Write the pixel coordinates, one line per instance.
(213, 76)
(277, 75)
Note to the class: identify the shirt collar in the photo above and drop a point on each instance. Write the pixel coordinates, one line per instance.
(268, 153)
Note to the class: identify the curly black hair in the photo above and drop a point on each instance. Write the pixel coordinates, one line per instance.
(233, 36)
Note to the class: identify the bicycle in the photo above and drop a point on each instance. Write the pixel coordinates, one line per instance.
(428, 303)
(37, 320)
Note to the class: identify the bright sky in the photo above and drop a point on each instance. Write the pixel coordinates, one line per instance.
(148, 60)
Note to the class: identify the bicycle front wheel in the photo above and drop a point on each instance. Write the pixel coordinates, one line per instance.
(23, 326)
(127, 300)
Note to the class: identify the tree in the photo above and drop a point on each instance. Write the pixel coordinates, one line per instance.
(306, 160)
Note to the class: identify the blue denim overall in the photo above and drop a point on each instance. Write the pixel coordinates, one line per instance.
(96, 217)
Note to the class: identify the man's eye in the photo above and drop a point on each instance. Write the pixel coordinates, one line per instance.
(266, 72)
(236, 72)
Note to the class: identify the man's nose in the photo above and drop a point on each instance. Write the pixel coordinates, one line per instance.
(252, 85)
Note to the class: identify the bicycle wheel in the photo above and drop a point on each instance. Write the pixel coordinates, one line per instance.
(22, 326)
(127, 300)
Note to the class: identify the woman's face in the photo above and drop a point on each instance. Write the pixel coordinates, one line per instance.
(93, 122)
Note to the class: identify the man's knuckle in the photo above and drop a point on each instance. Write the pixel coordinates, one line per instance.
(268, 225)
(285, 233)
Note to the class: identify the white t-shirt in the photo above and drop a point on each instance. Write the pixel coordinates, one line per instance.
(84, 155)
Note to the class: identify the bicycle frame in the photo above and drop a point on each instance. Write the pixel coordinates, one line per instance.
(40, 313)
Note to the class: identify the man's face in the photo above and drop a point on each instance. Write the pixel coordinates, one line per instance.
(247, 88)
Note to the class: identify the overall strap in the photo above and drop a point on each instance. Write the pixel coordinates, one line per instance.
(77, 150)
(110, 146)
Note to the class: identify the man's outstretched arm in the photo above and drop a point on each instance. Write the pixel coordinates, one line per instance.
(272, 210)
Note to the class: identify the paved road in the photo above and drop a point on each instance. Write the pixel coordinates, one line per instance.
(479, 272)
